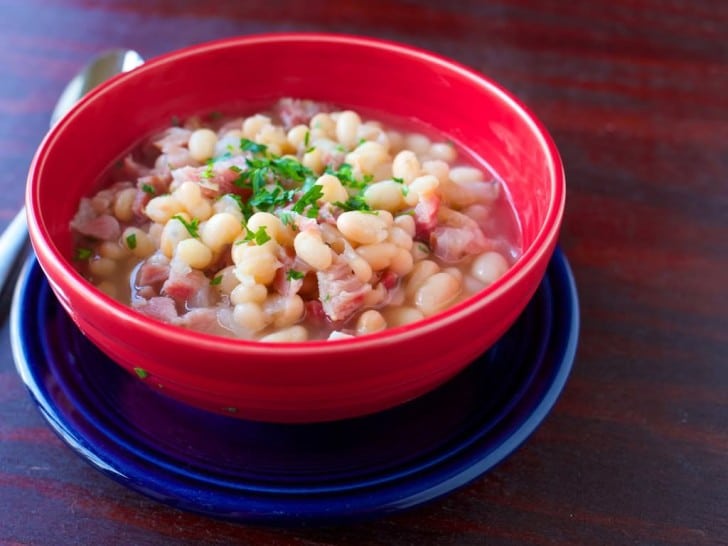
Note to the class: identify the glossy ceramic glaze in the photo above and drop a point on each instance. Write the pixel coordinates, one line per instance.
(315, 381)
(296, 474)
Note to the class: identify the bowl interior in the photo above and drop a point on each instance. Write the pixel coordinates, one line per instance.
(241, 75)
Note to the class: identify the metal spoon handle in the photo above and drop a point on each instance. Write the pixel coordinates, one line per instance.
(12, 243)
(15, 237)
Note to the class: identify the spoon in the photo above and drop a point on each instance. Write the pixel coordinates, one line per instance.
(14, 239)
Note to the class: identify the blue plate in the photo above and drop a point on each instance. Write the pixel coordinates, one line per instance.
(288, 474)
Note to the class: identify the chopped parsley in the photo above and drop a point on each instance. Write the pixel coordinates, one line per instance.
(309, 199)
(141, 372)
(286, 218)
(293, 274)
(398, 180)
(345, 174)
(209, 171)
(248, 145)
(307, 138)
(131, 241)
(423, 248)
(192, 226)
(148, 188)
(361, 141)
(354, 203)
(216, 280)
(82, 254)
(259, 236)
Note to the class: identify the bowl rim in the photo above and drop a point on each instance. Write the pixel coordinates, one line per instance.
(55, 264)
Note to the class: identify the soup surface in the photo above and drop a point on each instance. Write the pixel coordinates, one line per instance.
(300, 222)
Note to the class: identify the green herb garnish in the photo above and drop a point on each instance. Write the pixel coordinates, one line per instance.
(82, 254)
(354, 203)
(141, 372)
(293, 274)
(306, 139)
(259, 236)
(248, 145)
(309, 199)
(131, 241)
(209, 170)
(148, 188)
(192, 226)
(216, 280)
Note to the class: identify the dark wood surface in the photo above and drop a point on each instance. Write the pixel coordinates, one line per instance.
(635, 94)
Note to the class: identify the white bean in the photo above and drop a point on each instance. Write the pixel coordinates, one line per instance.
(274, 228)
(123, 204)
(161, 208)
(367, 156)
(101, 267)
(361, 227)
(407, 223)
(386, 195)
(228, 204)
(227, 280)
(323, 123)
(250, 316)
(174, 231)
(489, 267)
(312, 250)
(190, 195)
(402, 262)
(443, 151)
(248, 293)
(287, 335)
(406, 166)
(421, 271)
(252, 125)
(370, 321)
(114, 250)
(378, 255)
(220, 230)
(347, 126)
(332, 189)
(142, 244)
(202, 144)
(398, 316)
(256, 261)
(194, 253)
(436, 293)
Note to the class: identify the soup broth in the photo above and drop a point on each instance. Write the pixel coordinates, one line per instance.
(300, 222)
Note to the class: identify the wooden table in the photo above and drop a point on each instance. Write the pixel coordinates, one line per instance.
(635, 94)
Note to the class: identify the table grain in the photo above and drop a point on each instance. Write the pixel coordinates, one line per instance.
(635, 94)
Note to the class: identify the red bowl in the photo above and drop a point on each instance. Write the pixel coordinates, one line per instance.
(315, 380)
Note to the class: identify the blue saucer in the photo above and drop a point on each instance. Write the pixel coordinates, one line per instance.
(288, 474)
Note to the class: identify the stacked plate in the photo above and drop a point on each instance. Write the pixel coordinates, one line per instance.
(272, 473)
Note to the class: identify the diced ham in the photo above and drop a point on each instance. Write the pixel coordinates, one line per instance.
(201, 320)
(297, 111)
(340, 291)
(174, 157)
(188, 287)
(389, 279)
(155, 269)
(218, 180)
(174, 137)
(457, 237)
(160, 308)
(315, 312)
(103, 228)
(132, 169)
(425, 215)
(283, 283)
